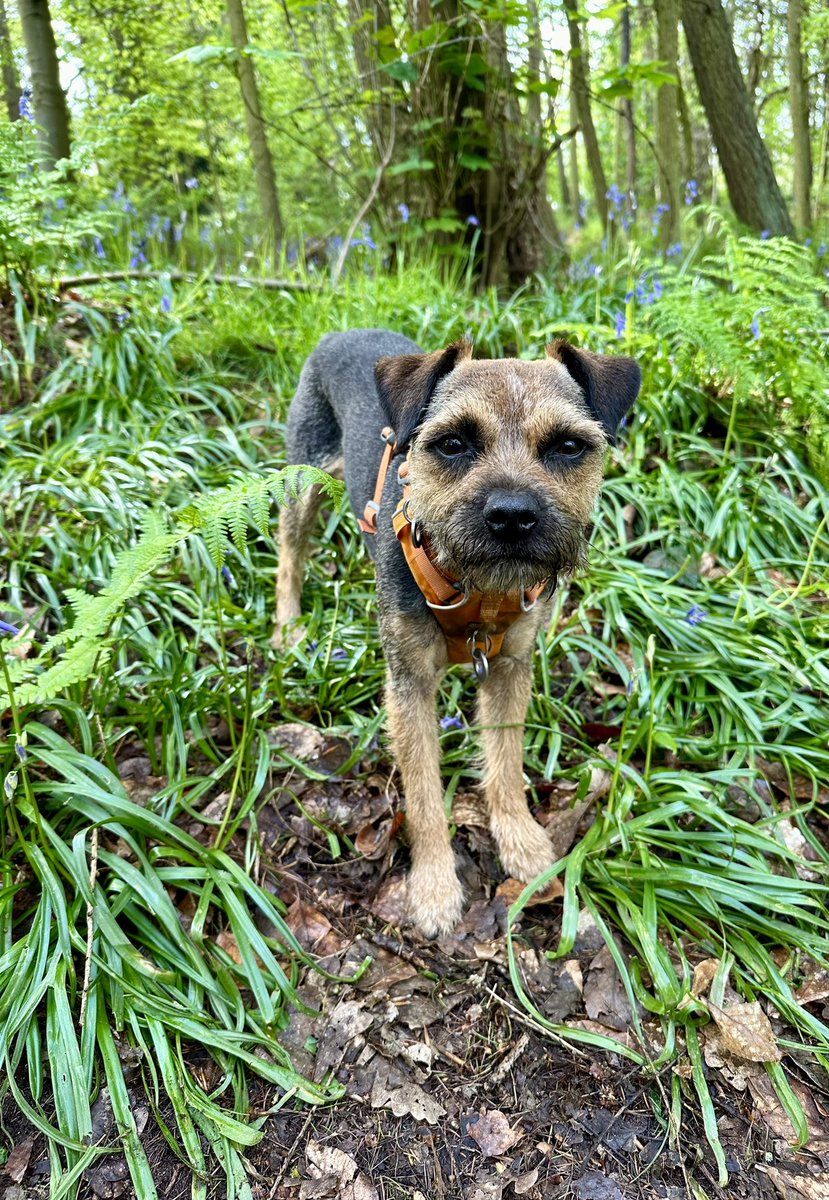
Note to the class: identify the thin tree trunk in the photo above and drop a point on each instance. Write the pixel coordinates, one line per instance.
(48, 99)
(563, 185)
(580, 84)
(667, 123)
(799, 106)
(627, 108)
(11, 83)
(573, 159)
(687, 132)
(257, 135)
(749, 175)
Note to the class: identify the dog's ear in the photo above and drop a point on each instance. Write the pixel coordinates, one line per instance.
(610, 382)
(407, 382)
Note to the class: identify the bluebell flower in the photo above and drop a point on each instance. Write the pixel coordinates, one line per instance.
(403, 209)
(293, 253)
(627, 220)
(765, 234)
(821, 250)
(9, 784)
(691, 191)
(621, 324)
(60, 202)
(340, 653)
(178, 233)
(119, 191)
(473, 221)
(99, 248)
(755, 327)
(695, 615)
(168, 224)
(615, 196)
(121, 318)
(369, 243)
(20, 748)
(129, 208)
(166, 304)
(628, 297)
(226, 571)
(807, 242)
(451, 723)
(674, 250)
(191, 183)
(25, 105)
(5, 627)
(657, 289)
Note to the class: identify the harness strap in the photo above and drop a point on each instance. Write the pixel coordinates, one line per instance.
(368, 521)
(473, 623)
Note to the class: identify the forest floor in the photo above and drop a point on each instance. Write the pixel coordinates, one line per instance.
(451, 1089)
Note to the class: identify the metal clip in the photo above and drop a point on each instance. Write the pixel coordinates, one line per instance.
(479, 654)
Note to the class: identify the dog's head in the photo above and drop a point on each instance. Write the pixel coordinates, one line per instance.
(506, 456)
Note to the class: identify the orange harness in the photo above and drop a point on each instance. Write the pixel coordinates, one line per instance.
(473, 623)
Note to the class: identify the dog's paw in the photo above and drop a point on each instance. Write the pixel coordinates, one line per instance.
(435, 898)
(525, 850)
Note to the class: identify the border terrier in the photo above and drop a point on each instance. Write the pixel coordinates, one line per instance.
(495, 469)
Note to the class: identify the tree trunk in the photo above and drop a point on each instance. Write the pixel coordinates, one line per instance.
(627, 108)
(48, 100)
(667, 123)
(11, 84)
(257, 136)
(573, 160)
(799, 106)
(580, 85)
(752, 187)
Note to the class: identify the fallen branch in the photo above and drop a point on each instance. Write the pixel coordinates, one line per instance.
(291, 285)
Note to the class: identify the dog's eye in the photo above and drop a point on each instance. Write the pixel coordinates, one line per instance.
(451, 446)
(566, 447)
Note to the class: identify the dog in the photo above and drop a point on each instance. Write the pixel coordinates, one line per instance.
(484, 476)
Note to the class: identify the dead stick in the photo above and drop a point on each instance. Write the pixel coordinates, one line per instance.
(90, 923)
(291, 285)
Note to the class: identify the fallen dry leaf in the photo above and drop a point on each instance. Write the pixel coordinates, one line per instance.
(338, 1173)
(524, 1183)
(773, 1113)
(795, 840)
(494, 1134)
(373, 840)
(511, 889)
(226, 941)
(605, 998)
(348, 1021)
(17, 1164)
(390, 902)
(298, 741)
(745, 1031)
(790, 1186)
(406, 1099)
(704, 973)
(312, 929)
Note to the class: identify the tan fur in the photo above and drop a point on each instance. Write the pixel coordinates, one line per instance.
(295, 525)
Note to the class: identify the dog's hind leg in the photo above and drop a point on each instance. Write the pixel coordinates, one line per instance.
(523, 846)
(295, 525)
(313, 438)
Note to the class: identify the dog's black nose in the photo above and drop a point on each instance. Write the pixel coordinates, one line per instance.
(511, 516)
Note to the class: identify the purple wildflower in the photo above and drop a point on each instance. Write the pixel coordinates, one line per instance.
(5, 627)
(118, 194)
(60, 202)
(25, 105)
(621, 324)
(765, 234)
(691, 191)
(473, 221)
(755, 327)
(99, 248)
(226, 571)
(821, 250)
(340, 653)
(657, 289)
(166, 304)
(451, 723)
(403, 209)
(674, 250)
(695, 615)
(191, 183)
(615, 196)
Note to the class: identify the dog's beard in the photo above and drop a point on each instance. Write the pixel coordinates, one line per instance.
(482, 568)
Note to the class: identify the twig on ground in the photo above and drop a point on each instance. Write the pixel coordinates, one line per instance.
(90, 923)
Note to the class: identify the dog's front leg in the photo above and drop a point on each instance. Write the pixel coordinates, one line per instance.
(523, 846)
(435, 894)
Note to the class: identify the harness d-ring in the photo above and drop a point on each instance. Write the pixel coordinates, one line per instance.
(448, 607)
(525, 607)
(479, 654)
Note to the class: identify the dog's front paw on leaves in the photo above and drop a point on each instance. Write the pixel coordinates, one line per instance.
(525, 850)
(435, 899)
